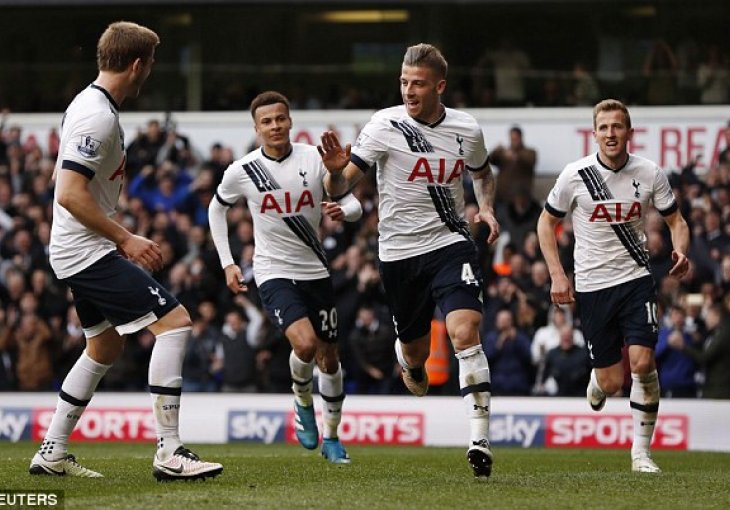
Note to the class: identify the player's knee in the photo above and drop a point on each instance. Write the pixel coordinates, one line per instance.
(610, 385)
(177, 318)
(182, 318)
(106, 354)
(305, 351)
(642, 366)
(641, 360)
(464, 335)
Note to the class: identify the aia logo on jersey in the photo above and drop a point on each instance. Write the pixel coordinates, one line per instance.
(439, 172)
(289, 203)
(616, 213)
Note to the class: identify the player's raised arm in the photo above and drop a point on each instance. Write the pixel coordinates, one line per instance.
(342, 174)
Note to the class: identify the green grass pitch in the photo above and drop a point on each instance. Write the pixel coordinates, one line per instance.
(283, 477)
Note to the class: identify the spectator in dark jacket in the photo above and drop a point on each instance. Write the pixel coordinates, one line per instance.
(567, 367)
(371, 343)
(676, 367)
(508, 352)
(203, 357)
(240, 342)
(714, 354)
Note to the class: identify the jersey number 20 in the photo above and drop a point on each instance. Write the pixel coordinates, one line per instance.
(329, 322)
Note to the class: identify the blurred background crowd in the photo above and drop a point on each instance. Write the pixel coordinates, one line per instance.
(533, 348)
(669, 52)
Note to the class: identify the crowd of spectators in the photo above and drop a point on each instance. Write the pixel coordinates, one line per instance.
(642, 72)
(533, 347)
(661, 72)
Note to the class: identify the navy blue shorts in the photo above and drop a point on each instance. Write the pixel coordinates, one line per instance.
(449, 277)
(115, 292)
(622, 314)
(287, 301)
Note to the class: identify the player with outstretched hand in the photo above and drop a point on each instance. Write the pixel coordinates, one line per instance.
(427, 254)
(283, 185)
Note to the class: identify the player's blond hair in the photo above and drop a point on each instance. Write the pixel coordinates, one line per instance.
(611, 105)
(426, 55)
(122, 43)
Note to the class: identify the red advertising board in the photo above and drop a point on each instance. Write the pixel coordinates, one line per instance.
(612, 431)
(373, 428)
(107, 424)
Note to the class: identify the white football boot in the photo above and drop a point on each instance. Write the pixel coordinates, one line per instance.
(67, 466)
(184, 465)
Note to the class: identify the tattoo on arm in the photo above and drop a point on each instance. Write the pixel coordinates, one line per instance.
(484, 188)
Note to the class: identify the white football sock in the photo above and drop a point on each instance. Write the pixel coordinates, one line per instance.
(331, 391)
(644, 401)
(301, 375)
(399, 354)
(165, 380)
(76, 391)
(475, 385)
(594, 383)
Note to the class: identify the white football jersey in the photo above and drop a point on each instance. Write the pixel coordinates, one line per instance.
(608, 209)
(92, 143)
(420, 177)
(284, 198)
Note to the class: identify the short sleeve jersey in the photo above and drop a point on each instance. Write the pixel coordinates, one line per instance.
(284, 198)
(420, 171)
(92, 144)
(608, 208)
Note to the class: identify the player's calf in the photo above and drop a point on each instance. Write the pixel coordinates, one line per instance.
(415, 379)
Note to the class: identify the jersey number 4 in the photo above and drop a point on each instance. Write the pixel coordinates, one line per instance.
(467, 275)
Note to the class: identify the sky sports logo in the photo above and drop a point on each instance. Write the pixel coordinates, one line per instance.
(256, 426)
(356, 427)
(583, 431)
(96, 424)
(15, 424)
(103, 424)
(613, 431)
(525, 430)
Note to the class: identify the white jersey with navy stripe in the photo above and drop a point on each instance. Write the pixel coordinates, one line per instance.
(284, 198)
(608, 209)
(420, 177)
(92, 143)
